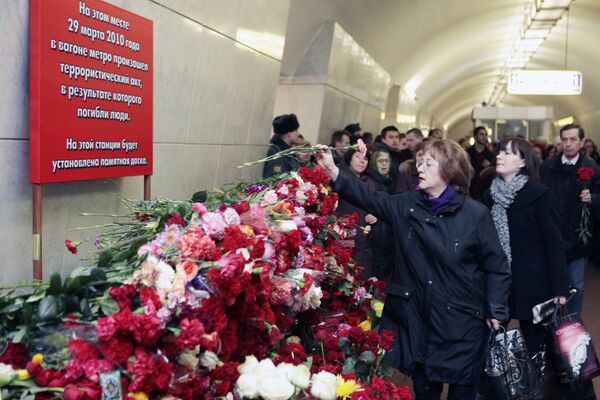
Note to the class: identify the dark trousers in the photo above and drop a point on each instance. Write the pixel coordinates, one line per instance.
(425, 390)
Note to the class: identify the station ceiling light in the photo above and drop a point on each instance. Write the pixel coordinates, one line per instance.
(539, 18)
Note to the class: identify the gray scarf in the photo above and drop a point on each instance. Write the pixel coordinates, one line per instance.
(503, 194)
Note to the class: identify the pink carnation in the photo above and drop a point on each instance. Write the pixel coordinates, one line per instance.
(199, 208)
(214, 224)
(362, 148)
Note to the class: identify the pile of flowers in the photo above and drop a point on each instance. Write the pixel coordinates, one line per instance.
(255, 297)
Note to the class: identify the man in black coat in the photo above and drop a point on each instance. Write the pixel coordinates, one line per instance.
(560, 174)
(286, 136)
(481, 158)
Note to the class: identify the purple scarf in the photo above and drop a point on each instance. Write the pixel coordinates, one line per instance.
(437, 205)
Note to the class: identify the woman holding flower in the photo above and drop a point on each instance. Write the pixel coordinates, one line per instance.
(450, 275)
(526, 217)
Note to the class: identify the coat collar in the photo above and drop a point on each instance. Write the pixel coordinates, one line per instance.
(454, 205)
(559, 166)
(277, 141)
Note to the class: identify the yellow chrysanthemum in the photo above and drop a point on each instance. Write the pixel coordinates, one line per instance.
(377, 306)
(346, 388)
(138, 396)
(23, 375)
(366, 325)
(38, 358)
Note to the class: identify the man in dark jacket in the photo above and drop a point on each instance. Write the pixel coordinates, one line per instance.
(481, 158)
(390, 142)
(560, 174)
(286, 136)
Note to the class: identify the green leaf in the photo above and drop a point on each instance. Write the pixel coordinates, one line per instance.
(344, 342)
(367, 356)
(48, 308)
(199, 197)
(98, 274)
(55, 285)
(19, 335)
(36, 296)
(109, 306)
(349, 365)
(104, 259)
(27, 313)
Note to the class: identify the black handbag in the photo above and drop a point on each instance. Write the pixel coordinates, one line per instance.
(508, 372)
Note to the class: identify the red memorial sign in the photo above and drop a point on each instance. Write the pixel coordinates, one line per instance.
(90, 91)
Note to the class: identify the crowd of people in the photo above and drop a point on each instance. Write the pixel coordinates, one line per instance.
(468, 237)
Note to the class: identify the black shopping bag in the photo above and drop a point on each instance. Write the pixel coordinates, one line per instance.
(575, 358)
(508, 372)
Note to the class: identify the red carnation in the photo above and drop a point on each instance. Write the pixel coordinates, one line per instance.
(176, 219)
(386, 339)
(123, 295)
(147, 330)
(16, 354)
(227, 374)
(585, 174)
(191, 333)
(106, 328)
(125, 320)
(235, 239)
(241, 207)
(117, 350)
(72, 245)
(81, 350)
(148, 295)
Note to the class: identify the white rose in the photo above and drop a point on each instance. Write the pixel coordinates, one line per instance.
(246, 386)
(324, 386)
(274, 385)
(248, 366)
(264, 366)
(287, 225)
(166, 275)
(188, 359)
(314, 296)
(209, 360)
(300, 376)
(7, 374)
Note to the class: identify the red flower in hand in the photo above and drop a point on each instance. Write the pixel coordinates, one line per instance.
(585, 174)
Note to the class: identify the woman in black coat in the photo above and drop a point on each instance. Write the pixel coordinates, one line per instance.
(380, 237)
(450, 274)
(356, 165)
(526, 217)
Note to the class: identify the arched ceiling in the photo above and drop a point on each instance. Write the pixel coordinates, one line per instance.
(452, 51)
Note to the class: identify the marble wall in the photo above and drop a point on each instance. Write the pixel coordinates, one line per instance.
(336, 83)
(217, 67)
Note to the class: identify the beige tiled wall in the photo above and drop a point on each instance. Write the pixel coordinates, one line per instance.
(216, 69)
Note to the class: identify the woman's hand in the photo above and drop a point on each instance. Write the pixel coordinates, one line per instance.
(325, 160)
(370, 219)
(493, 322)
(562, 300)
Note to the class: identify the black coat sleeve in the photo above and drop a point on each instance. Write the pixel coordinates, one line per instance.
(496, 268)
(379, 204)
(594, 187)
(549, 221)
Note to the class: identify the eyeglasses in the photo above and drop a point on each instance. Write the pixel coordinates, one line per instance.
(426, 164)
(383, 161)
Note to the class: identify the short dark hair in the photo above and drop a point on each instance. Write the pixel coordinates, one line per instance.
(387, 129)
(568, 127)
(525, 150)
(350, 153)
(479, 128)
(415, 131)
(337, 137)
(353, 128)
